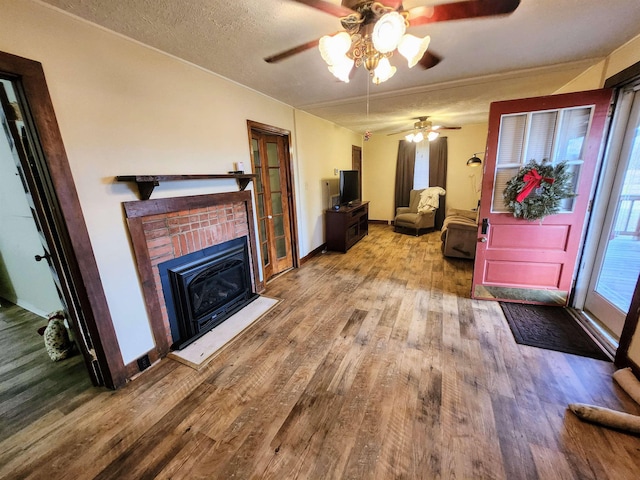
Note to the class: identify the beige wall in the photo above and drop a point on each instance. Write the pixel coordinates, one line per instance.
(124, 108)
(594, 77)
(317, 160)
(380, 153)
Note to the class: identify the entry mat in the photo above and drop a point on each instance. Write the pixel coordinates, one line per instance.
(551, 328)
(200, 352)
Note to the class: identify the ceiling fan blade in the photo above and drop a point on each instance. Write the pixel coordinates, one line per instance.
(403, 131)
(327, 7)
(429, 60)
(446, 128)
(292, 51)
(461, 10)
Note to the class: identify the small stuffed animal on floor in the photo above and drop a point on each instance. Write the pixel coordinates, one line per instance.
(56, 337)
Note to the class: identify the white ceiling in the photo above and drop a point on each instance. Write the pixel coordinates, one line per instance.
(534, 51)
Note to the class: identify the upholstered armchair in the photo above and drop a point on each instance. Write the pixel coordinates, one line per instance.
(419, 215)
(460, 233)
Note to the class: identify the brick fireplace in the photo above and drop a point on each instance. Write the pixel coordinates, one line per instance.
(167, 229)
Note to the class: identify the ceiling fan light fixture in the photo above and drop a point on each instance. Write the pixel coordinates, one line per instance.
(418, 137)
(409, 138)
(334, 48)
(413, 48)
(388, 31)
(383, 72)
(432, 135)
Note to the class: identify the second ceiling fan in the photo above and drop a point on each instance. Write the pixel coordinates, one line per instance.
(422, 129)
(373, 30)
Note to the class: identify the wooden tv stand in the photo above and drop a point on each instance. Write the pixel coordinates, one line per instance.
(346, 226)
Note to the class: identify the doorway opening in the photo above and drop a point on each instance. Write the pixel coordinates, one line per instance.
(611, 267)
(36, 146)
(274, 197)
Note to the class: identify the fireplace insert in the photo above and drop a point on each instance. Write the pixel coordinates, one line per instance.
(204, 288)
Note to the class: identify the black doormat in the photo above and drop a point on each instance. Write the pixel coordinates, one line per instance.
(551, 328)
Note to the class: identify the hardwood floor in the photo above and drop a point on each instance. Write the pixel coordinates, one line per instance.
(376, 364)
(30, 383)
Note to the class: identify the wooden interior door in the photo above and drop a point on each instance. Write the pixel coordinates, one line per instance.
(273, 191)
(24, 151)
(535, 261)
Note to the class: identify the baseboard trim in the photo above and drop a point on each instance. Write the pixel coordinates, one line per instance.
(313, 253)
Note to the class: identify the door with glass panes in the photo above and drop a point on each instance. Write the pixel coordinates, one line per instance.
(535, 261)
(273, 193)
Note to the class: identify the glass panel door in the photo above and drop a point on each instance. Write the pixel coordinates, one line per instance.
(618, 258)
(272, 193)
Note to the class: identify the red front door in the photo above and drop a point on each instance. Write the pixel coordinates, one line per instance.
(535, 261)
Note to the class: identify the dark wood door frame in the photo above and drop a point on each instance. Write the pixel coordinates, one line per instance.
(75, 259)
(271, 130)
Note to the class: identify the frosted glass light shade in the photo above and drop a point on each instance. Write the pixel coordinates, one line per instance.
(334, 49)
(383, 72)
(342, 68)
(431, 136)
(412, 48)
(388, 31)
(409, 138)
(418, 137)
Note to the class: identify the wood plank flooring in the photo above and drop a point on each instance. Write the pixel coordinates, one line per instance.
(376, 365)
(31, 384)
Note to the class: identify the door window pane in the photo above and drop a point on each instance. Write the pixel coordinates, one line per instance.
(261, 213)
(503, 175)
(272, 154)
(265, 254)
(573, 132)
(278, 225)
(274, 179)
(263, 230)
(276, 203)
(256, 152)
(621, 263)
(281, 247)
(511, 139)
(566, 204)
(543, 126)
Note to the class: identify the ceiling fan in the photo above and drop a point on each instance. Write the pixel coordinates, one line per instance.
(424, 128)
(373, 30)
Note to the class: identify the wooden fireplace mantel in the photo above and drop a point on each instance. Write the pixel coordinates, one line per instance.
(146, 183)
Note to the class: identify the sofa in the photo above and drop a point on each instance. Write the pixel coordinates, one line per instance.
(460, 233)
(421, 213)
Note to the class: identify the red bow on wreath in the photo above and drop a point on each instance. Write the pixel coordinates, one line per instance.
(533, 179)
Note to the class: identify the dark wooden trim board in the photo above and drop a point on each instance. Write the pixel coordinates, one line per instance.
(73, 232)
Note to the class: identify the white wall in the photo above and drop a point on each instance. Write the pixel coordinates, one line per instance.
(124, 108)
(23, 281)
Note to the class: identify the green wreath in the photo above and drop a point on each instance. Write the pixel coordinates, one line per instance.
(537, 189)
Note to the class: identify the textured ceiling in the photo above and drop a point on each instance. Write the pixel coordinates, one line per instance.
(534, 51)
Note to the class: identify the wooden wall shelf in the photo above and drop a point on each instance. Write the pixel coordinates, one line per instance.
(146, 183)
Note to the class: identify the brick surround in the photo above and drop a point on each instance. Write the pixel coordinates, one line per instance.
(166, 229)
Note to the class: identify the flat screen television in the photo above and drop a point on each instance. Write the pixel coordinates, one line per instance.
(349, 187)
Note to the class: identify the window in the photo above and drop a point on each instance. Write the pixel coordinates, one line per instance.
(421, 169)
(546, 136)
